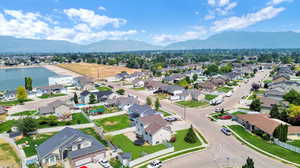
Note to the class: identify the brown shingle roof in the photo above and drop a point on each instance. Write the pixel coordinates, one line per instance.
(155, 122)
(294, 130)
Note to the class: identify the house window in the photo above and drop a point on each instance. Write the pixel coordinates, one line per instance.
(74, 147)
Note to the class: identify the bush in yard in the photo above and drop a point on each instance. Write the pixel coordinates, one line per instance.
(27, 125)
(157, 104)
(190, 136)
(75, 98)
(149, 101)
(173, 139)
(121, 91)
(92, 99)
(255, 86)
(249, 163)
(21, 94)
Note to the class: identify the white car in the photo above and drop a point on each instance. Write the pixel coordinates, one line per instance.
(155, 164)
(104, 163)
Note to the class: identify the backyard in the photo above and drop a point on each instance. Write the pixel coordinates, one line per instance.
(92, 132)
(8, 155)
(266, 146)
(103, 88)
(104, 110)
(210, 97)
(114, 123)
(6, 126)
(25, 113)
(46, 96)
(192, 103)
(127, 145)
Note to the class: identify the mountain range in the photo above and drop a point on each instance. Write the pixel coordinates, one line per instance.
(225, 40)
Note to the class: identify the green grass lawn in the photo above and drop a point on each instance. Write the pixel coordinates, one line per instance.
(210, 97)
(295, 143)
(46, 96)
(238, 112)
(13, 102)
(33, 143)
(138, 89)
(25, 113)
(92, 132)
(6, 126)
(180, 143)
(103, 88)
(136, 151)
(114, 123)
(266, 146)
(115, 163)
(106, 110)
(192, 103)
(166, 114)
(224, 89)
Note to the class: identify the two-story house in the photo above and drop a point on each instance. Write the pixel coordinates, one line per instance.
(70, 145)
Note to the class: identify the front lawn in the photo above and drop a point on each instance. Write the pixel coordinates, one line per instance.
(114, 123)
(166, 114)
(238, 112)
(210, 97)
(224, 89)
(103, 88)
(180, 143)
(192, 103)
(46, 96)
(127, 145)
(25, 113)
(138, 89)
(13, 102)
(295, 143)
(6, 126)
(266, 146)
(33, 143)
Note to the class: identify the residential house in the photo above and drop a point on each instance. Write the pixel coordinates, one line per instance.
(153, 85)
(58, 108)
(267, 103)
(219, 81)
(70, 145)
(286, 85)
(191, 73)
(281, 78)
(53, 89)
(285, 70)
(173, 78)
(84, 83)
(266, 124)
(138, 83)
(61, 80)
(136, 111)
(100, 96)
(118, 77)
(2, 110)
(123, 103)
(233, 75)
(153, 129)
(191, 94)
(207, 86)
(9, 95)
(172, 90)
(275, 93)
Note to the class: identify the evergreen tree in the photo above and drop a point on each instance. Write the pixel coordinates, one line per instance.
(190, 136)
(255, 105)
(27, 125)
(249, 163)
(75, 98)
(157, 104)
(92, 99)
(195, 77)
(149, 101)
(274, 111)
(28, 83)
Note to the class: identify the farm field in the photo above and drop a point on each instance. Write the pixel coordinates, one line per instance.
(92, 70)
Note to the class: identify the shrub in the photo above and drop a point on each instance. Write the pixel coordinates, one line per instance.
(173, 139)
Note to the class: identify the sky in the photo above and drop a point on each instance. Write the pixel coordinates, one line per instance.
(158, 22)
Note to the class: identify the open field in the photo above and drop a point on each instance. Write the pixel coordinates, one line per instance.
(8, 155)
(92, 70)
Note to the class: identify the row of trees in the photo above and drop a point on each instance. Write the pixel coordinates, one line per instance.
(281, 132)
(156, 103)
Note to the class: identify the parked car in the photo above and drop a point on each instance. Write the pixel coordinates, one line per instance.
(171, 119)
(104, 163)
(155, 164)
(228, 94)
(225, 117)
(218, 109)
(226, 131)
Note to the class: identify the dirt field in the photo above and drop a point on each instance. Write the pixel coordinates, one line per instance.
(96, 71)
(8, 156)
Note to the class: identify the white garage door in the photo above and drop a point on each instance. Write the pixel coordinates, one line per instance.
(83, 161)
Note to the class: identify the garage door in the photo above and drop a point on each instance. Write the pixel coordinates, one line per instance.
(99, 157)
(83, 161)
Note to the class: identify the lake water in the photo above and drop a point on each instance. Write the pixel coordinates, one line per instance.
(11, 78)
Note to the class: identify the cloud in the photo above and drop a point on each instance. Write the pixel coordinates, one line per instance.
(220, 8)
(197, 13)
(211, 2)
(235, 23)
(102, 8)
(277, 2)
(297, 31)
(164, 39)
(93, 19)
(35, 26)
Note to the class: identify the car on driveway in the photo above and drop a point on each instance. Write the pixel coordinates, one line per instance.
(225, 117)
(226, 131)
(171, 119)
(155, 164)
(104, 163)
